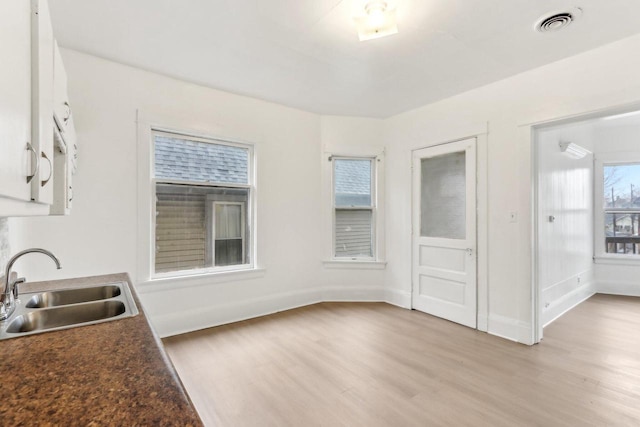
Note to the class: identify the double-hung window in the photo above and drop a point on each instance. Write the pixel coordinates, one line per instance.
(354, 208)
(203, 189)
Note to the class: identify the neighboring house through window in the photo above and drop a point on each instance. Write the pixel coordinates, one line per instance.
(202, 204)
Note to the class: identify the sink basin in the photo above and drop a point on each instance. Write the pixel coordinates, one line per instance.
(64, 316)
(73, 296)
(69, 308)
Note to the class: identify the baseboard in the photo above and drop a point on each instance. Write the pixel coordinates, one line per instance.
(352, 294)
(551, 295)
(182, 322)
(631, 289)
(398, 298)
(510, 329)
(483, 322)
(558, 308)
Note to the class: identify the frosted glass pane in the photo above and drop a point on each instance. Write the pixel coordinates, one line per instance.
(443, 200)
(354, 236)
(352, 182)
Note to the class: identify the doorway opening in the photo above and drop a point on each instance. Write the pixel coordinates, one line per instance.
(587, 211)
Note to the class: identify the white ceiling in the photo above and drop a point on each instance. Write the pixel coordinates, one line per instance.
(306, 53)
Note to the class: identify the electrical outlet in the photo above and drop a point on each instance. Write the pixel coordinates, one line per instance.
(578, 279)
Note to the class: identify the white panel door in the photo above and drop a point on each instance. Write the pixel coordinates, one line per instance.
(444, 231)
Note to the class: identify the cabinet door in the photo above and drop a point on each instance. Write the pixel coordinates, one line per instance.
(61, 107)
(42, 100)
(15, 100)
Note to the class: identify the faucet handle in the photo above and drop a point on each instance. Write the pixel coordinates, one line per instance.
(14, 285)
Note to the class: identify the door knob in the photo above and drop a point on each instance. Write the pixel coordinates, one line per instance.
(469, 251)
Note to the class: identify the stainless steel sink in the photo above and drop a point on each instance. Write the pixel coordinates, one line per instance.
(73, 296)
(65, 316)
(52, 310)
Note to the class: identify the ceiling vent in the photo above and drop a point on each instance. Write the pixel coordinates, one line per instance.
(557, 21)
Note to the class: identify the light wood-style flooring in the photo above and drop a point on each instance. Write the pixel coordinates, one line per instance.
(373, 364)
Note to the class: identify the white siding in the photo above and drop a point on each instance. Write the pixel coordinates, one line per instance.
(353, 233)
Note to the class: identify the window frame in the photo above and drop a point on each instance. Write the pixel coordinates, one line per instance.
(376, 155)
(372, 207)
(600, 162)
(248, 243)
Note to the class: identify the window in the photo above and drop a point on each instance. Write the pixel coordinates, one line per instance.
(202, 202)
(621, 184)
(229, 247)
(354, 208)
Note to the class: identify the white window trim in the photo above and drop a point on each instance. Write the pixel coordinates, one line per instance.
(148, 125)
(601, 160)
(378, 260)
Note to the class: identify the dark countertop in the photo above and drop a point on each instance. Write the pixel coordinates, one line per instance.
(114, 373)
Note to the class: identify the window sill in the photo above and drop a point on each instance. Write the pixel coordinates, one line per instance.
(160, 284)
(633, 260)
(355, 264)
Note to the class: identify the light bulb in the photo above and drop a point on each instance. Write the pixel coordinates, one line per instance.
(376, 18)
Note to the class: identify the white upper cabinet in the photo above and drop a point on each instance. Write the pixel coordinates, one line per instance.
(42, 100)
(61, 106)
(16, 161)
(65, 144)
(30, 161)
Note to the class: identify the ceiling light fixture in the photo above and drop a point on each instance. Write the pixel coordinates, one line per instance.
(378, 20)
(574, 150)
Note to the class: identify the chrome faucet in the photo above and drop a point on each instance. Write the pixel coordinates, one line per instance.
(10, 293)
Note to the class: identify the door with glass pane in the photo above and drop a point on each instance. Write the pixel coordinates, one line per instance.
(444, 231)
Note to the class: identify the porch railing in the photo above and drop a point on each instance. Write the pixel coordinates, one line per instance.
(623, 245)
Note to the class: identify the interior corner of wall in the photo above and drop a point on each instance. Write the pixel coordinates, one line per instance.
(398, 297)
(510, 329)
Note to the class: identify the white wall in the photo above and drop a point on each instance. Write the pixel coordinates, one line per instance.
(595, 80)
(618, 136)
(100, 235)
(5, 244)
(565, 245)
(350, 136)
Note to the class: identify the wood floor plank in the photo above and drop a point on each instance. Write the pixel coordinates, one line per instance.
(373, 364)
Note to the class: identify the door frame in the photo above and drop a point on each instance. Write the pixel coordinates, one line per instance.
(528, 138)
(482, 223)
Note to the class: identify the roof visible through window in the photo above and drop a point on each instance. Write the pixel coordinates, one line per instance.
(196, 161)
